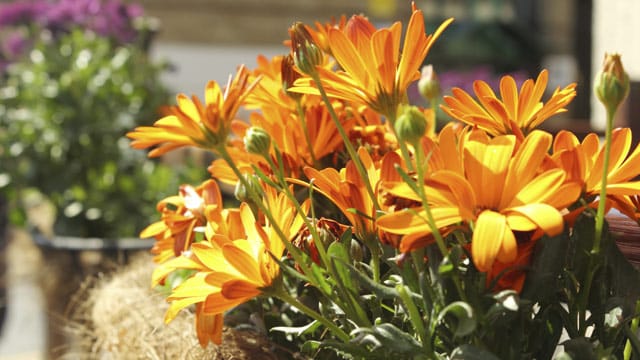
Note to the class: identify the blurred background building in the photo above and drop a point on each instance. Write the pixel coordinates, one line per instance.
(206, 39)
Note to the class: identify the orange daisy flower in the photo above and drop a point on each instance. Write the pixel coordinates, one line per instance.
(584, 162)
(375, 71)
(181, 215)
(231, 272)
(346, 189)
(192, 123)
(517, 113)
(501, 191)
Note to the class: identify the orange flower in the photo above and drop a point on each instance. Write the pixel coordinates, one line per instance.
(192, 123)
(516, 113)
(287, 133)
(376, 71)
(231, 272)
(584, 162)
(346, 189)
(181, 215)
(501, 191)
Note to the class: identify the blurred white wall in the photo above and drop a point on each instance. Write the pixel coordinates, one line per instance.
(616, 29)
(196, 64)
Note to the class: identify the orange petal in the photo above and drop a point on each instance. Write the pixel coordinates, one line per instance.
(488, 236)
(239, 289)
(542, 216)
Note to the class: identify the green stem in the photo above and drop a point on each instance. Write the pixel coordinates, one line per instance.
(420, 158)
(305, 130)
(349, 305)
(284, 295)
(603, 184)
(599, 224)
(222, 151)
(345, 138)
(415, 317)
(628, 349)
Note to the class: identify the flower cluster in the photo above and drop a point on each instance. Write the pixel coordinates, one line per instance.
(22, 21)
(414, 242)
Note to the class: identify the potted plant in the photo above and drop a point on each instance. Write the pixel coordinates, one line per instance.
(364, 233)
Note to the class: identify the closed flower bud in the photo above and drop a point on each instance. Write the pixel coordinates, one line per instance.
(429, 85)
(306, 54)
(411, 125)
(289, 75)
(611, 85)
(243, 192)
(257, 141)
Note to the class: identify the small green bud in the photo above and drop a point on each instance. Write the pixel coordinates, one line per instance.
(411, 125)
(355, 250)
(429, 85)
(257, 141)
(611, 85)
(243, 193)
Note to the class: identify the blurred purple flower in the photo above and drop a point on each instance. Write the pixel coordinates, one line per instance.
(111, 18)
(15, 44)
(21, 12)
(464, 79)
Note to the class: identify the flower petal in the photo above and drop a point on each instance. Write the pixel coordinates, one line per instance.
(488, 236)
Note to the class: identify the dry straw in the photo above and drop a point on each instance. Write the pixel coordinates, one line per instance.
(119, 317)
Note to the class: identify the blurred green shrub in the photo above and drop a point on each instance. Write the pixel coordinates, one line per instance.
(64, 110)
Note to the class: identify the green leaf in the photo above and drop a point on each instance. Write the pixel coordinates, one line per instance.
(387, 338)
(471, 352)
(541, 284)
(461, 318)
(580, 348)
(381, 291)
(633, 340)
(339, 254)
(545, 338)
(298, 330)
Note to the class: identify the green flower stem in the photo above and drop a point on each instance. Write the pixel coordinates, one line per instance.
(350, 306)
(415, 317)
(305, 130)
(284, 295)
(599, 224)
(222, 151)
(420, 159)
(376, 254)
(345, 138)
(603, 184)
(634, 328)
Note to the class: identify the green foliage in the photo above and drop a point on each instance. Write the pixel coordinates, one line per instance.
(65, 110)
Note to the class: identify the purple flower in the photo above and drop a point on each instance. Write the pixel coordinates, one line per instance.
(111, 18)
(21, 12)
(464, 79)
(15, 44)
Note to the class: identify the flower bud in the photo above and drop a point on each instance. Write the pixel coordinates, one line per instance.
(411, 125)
(243, 192)
(306, 54)
(429, 85)
(289, 76)
(611, 85)
(257, 141)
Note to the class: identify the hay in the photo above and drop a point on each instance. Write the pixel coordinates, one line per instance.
(120, 317)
